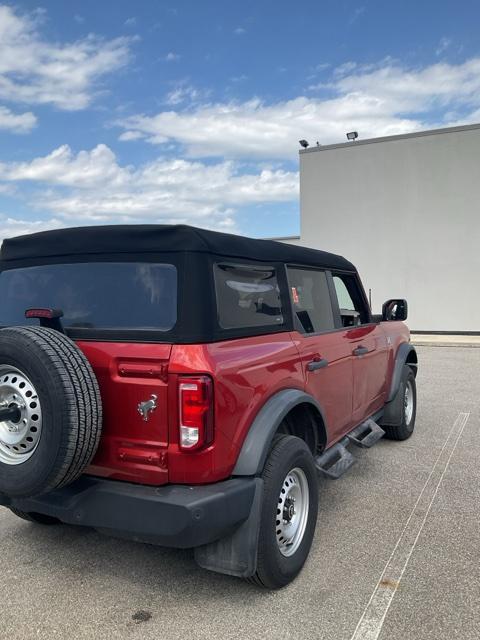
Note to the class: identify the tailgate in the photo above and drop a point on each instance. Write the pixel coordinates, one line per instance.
(133, 446)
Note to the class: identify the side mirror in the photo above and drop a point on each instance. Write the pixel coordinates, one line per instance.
(395, 309)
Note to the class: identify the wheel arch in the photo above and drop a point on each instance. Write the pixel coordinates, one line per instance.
(412, 360)
(289, 411)
(406, 354)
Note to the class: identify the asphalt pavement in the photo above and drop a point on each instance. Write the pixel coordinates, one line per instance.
(396, 554)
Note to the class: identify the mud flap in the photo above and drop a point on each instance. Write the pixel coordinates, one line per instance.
(236, 555)
(393, 410)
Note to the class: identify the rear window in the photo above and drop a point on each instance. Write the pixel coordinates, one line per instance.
(247, 296)
(94, 295)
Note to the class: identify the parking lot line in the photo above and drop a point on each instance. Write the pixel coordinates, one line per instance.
(372, 619)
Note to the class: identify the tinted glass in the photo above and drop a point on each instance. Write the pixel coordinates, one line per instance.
(247, 296)
(311, 299)
(352, 308)
(344, 298)
(101, 295)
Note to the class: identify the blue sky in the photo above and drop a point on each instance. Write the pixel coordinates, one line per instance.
(191, 111)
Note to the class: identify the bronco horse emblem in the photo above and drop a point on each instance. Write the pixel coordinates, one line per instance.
(145, 407)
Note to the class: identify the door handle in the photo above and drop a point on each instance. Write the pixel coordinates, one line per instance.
(318, 363)
(360, 351)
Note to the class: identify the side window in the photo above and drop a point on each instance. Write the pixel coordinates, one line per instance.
(350, 301)
(311, 299)
(247, 296)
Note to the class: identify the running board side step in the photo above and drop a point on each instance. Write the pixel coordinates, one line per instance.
(337, 459)
(366, 434)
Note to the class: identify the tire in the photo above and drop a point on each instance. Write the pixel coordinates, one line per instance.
(59, 430)
(38, 518)
(289, 459)
(407, 402)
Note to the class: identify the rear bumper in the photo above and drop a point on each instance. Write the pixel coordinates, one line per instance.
(173, 515)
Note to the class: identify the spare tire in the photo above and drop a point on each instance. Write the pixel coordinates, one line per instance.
(54, 434)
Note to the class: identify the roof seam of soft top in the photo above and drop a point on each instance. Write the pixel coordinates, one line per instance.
(149, 240)
(199, 235)
(148, 251)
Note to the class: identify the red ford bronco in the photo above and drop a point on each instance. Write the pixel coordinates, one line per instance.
(184, 387)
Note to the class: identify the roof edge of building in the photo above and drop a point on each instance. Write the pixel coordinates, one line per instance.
(280, 238)
(401, 136)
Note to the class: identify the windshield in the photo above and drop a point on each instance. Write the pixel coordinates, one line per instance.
(97, 295)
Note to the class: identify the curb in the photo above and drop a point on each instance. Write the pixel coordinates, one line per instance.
(446, 341)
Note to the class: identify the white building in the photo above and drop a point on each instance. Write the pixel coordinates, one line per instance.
(406, 211)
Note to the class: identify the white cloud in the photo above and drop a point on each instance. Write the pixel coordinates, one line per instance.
(130, 22)
(356, 14)
(266, 131)
(345, 68)
(418, 90)
(35, 71)
(92, 186)
(87, 169)
(172, 57)
(16, 122)
(443, 45)
(184, 93)
(179, 94)
(376, 100)
(239, 31)
(11, 227)
(127, 136)
(7, 188)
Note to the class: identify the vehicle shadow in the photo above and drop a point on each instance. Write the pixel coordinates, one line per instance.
(78, 552)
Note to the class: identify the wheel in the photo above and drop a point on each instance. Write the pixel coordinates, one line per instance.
(38, 518)
(51, 407)
(407, 401)
(289, 512)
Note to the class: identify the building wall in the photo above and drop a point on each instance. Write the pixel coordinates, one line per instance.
(406, 211)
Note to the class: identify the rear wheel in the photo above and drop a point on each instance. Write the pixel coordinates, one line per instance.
(289, 512)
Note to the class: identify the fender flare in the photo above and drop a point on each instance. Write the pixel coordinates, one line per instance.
(255, 448)
(400, 359)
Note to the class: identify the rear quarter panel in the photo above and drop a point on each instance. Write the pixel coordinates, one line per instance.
(246, 373)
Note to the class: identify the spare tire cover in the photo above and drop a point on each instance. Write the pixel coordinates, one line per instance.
(54, 434)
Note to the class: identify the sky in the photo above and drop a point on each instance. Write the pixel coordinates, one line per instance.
(190, 112)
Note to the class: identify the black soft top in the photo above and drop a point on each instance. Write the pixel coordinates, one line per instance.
(156, 238)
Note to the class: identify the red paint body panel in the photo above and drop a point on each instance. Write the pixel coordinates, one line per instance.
(369, 379)
(129, 373)
(332, 387)
(396, 333)
(246, 372)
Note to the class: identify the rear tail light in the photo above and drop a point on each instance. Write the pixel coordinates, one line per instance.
(195, 395)
(50, 314)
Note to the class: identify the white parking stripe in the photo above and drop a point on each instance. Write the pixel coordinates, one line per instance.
(371, 622)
